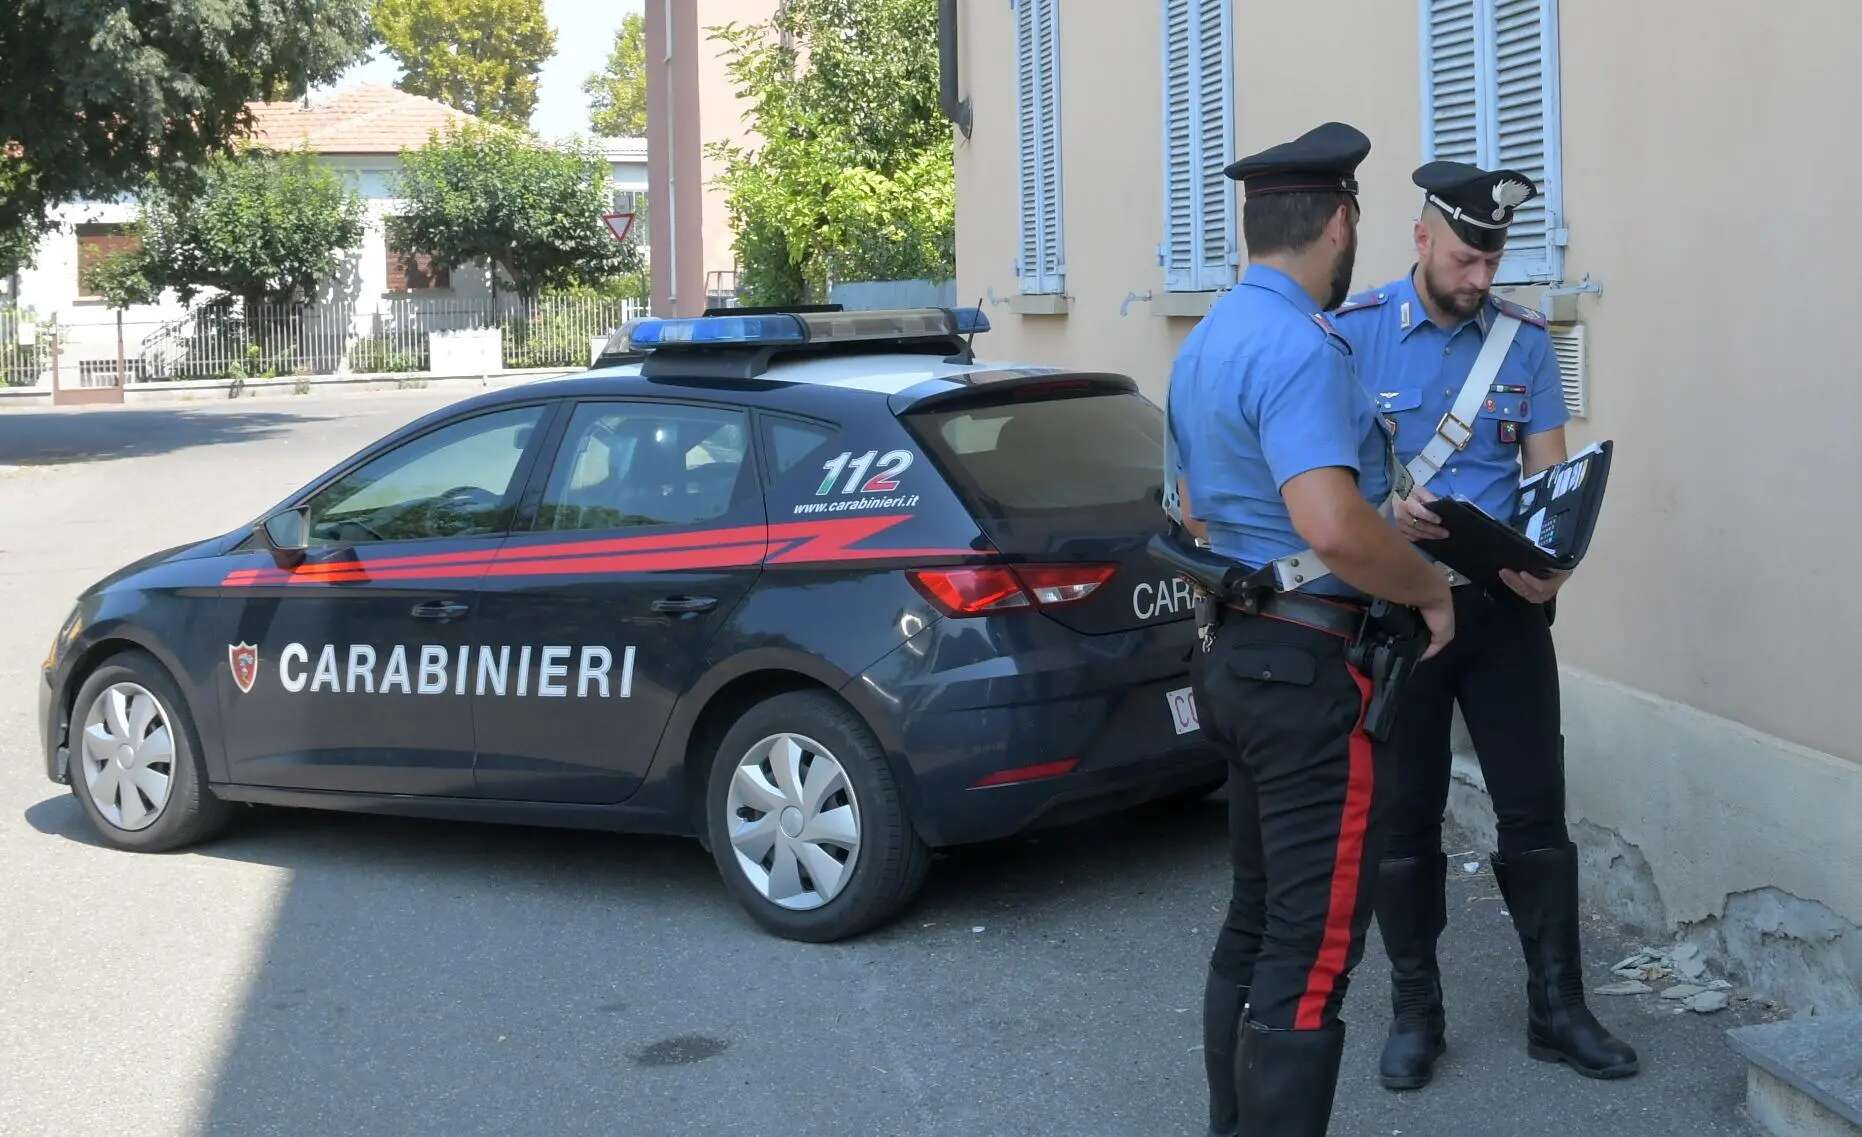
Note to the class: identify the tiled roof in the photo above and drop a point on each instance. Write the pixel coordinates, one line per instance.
(355, 120)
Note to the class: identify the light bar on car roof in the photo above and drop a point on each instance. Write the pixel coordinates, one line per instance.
(785, 329)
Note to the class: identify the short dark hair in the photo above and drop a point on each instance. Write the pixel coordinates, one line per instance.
(1287, 222)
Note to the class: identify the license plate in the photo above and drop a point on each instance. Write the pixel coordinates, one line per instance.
(1183, 710)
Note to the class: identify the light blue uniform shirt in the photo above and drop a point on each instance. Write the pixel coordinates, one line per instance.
(1261, 392)
(1414, 373)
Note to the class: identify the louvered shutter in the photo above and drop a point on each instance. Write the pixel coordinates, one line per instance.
(1037, 55)
(1490, 75)
(1199, 249)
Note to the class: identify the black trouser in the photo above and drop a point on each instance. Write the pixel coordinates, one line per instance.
(1306, 792)
(1501, 668)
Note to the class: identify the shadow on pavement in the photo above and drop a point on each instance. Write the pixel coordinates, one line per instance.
(48, 437)
(431, 977)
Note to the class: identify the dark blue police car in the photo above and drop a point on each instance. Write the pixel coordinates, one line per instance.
(815, 587)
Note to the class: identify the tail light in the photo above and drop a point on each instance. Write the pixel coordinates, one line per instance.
(987, 589)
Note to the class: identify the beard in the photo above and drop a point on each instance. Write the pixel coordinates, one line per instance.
(1459, 305)
(1341, 273)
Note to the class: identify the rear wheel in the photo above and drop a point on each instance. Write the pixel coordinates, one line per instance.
(806, 821)
(135, 768)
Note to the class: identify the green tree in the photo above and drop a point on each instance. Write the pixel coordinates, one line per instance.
(484, 194)
(478, 56)
(843, 185)
(96, 97)
(123, 282)
(263, 226)
(617, 94)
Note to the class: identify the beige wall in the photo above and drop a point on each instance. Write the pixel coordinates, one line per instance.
(1715, 203)
(690, 103)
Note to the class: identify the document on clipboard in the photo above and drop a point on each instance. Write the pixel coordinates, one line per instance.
(1550, 531)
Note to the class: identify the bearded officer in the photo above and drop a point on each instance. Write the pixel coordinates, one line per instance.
(1282, 455)
(1472, 384)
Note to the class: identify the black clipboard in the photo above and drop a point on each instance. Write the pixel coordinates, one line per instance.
(1551, 529)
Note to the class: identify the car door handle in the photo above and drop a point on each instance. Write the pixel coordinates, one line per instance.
(679, 605)
(440, 610)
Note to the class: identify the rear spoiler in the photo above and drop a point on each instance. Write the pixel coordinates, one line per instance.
(995, 388)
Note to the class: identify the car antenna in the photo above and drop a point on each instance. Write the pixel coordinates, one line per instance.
(969, 345)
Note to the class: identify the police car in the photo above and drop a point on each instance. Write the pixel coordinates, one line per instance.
(815, 587)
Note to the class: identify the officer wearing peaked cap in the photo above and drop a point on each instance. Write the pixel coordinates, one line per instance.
(1472, 385)
(1280, 455)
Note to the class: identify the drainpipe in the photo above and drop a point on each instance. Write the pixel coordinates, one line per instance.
(956, 108)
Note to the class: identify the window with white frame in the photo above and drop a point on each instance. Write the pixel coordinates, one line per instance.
(1490, 98)
(1199, 252)
(1041, 263)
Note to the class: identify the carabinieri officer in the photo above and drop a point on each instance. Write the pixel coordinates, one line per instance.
(1283, 458)
(1419, 342)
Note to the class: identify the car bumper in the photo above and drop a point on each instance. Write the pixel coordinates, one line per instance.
(974, 699)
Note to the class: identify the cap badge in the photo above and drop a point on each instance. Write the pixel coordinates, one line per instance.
(1508, 194)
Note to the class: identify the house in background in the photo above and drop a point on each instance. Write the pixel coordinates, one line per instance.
(360, 132)
(1714, 766)
(690, 104)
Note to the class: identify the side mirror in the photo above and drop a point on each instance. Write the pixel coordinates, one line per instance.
(287, 535)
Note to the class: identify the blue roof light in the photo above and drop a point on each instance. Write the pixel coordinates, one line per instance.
(789, 329)
(744, 331)
(969, 320)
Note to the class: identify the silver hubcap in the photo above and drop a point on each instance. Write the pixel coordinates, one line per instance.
(128, 755)
(793, 821)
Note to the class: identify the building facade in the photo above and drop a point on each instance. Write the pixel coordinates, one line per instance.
(691, 103)
(1688, 248)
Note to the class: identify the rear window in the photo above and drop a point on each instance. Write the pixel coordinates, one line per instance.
(1028, 459)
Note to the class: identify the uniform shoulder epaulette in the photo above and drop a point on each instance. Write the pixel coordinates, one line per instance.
(1332, 334)
(1520, 312)
(1361, 301)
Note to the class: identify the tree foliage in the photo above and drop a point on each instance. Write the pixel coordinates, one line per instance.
(617, 94)
(96, 97)
(264, 226)
(478, 56)
(852, 176)
(480, 193)
(122, 281)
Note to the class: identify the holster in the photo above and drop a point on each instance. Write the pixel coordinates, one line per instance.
(1389, 644)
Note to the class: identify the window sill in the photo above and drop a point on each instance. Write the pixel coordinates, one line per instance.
(1187, 305)
(1040, 304)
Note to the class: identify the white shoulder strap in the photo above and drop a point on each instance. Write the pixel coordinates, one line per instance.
(1452, 436)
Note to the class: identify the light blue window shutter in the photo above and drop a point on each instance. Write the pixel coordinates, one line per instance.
(1525, 132)
(1200, 248)
(1037, 55)
(1178, 251)
(1490, 97)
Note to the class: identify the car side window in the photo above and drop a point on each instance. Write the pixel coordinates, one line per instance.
(450, 482)
(788, 441)
(630, 464)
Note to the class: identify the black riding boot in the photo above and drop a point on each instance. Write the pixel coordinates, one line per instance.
(1284, 1080)
(1223, 1004)
(1541, 888)
(1411, 912)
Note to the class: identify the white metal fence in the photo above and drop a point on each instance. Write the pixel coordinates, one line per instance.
(224, 339)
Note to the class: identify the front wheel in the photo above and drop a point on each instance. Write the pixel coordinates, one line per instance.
(135, 768)
(806, 821)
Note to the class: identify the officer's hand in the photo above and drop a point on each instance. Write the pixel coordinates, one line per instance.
(1537, 589)
(1439, 615)
(1415, 521)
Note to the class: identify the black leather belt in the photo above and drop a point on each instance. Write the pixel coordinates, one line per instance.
(1341, 618)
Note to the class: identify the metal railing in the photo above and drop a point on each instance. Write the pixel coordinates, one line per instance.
(224, 339)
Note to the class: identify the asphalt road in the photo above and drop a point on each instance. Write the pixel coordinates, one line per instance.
(313, 974)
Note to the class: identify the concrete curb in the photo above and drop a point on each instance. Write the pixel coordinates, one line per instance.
(211, 390)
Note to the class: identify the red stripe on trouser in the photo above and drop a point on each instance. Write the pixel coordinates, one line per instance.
(1335, 947)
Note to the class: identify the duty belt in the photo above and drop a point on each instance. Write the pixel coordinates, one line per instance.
(1339, 618)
